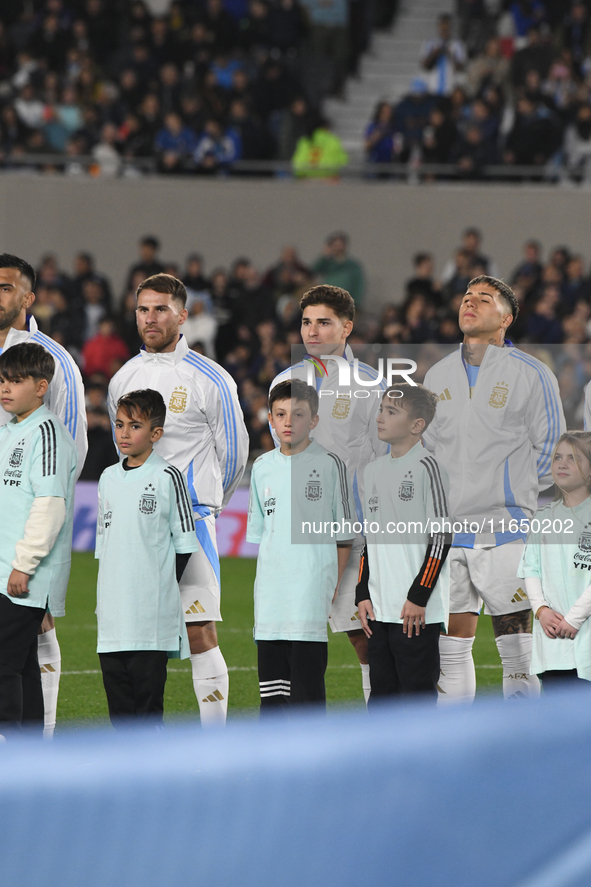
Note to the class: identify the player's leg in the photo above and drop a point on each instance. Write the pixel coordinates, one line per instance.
(274, 658)
(308, 667)
(50, 664)
(147, 670)
(457, 676)
(495, 574)
(118, 686)
(20, 679)
(417, 659)
(200, 597)
(382, 666)
(344, 616)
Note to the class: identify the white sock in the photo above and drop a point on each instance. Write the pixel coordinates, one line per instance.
(50, 663)
(457, 678)
(365, 684)
(515, 653)
(211, 683)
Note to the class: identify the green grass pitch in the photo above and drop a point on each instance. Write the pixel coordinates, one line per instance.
(82, 698)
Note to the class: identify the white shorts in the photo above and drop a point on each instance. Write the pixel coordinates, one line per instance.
(344, 615)
(200, 582)
(487, 575)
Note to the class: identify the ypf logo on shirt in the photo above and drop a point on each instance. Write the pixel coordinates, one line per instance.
(374, 501)
(406, 490)
(148, 500)
(313, 490)
(178, 400)
(498, 397)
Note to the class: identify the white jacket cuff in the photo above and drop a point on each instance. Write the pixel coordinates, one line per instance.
(580, 610)
(533, 587)
(45, 520)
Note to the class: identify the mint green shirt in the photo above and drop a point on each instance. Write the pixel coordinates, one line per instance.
(562, 561)
(144, 519)
(37, 459)
(296, 578)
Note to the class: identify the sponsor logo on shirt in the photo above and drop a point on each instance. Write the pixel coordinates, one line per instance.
(341, 407)
(107, 518)
(313, 490)
(498, 397)
(374, 501)
(178, 400)
(406, 490)
(148, 500)
(445, 395)
(269, 505)
(16, 457)
(582, 558)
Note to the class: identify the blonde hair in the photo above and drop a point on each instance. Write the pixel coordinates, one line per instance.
(580, 441)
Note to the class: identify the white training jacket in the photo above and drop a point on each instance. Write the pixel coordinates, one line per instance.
(496, 446)
(204, 433)
(65, 395)
(347, 424)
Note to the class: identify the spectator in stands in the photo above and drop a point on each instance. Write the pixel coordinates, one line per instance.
(577, 142)
(457, 274)
(286, 275)
(536, 55)
(94, 308)
(535, 135)
(529, 270)
(471, 247)
(105, 154)
(201, 327)
(337, 268)
(149, 264)
(410, 118)
(444, 59)
(543, 325)
(423, 280)
(527, 14)
(294, 124)
(576, 286)
(193, 277)
(105, 352)
(439, 137)
(379, 135)
(329, 36)
(472, 153)
(174, 144)
(320, 153)
(489, 68)
(575, 33)
(217, 148)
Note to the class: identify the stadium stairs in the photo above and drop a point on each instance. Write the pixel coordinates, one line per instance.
(385, 72)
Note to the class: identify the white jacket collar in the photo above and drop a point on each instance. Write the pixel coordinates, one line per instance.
(167, 357)
(15, 337)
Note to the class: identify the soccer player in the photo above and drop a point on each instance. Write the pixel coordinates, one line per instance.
(346, 427)
(299, 485)
(65, 398)
(145, 522)
(403, 590)
(555, 565)
(207, 440)
(38, 467)
(497, 422)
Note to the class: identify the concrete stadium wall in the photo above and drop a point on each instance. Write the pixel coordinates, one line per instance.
(388, 222)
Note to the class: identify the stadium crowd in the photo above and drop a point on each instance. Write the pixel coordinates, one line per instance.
(248, 319)
(513, 88)
(205, 84)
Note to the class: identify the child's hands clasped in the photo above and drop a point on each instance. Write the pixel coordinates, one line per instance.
(566, 630)
(412, 616)
(18, 584)
(551, 622)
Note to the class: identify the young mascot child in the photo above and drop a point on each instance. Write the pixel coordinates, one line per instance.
(555, 566)
(403, 590)
(301, 510)
(37, 465)
(144, 519)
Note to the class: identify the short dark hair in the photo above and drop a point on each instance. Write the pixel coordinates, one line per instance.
(165, 283)
(419, 258)
(504, 291)
(334, 297)
(150, 240)
(296, 389)
(146, 403)
(8, 261)
(418, 401)
(338, 235)
(27, 359)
